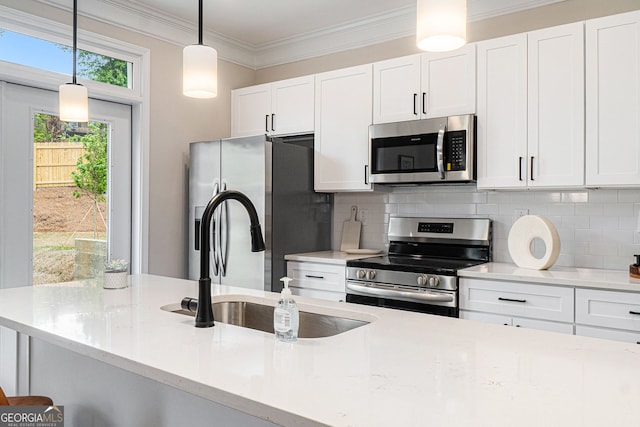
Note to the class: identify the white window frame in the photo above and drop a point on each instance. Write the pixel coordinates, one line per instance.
(137, 95)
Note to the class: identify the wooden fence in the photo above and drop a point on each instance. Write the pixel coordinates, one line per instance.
(54, 162)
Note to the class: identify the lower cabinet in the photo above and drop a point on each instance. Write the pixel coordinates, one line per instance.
(525, 305)
(317, 280)
(611, 315)
(518, 322)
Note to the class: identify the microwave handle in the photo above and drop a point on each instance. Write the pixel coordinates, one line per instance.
(440, 150)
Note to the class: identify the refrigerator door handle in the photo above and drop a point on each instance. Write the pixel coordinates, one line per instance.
(224, 212)
(214, 253)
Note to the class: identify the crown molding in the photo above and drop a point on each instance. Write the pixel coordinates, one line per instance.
(133, 16)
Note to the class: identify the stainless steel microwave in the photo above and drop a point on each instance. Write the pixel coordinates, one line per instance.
(438, 150)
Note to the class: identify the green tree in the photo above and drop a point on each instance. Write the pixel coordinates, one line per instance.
(102, 68)
(91, 174)
(48, 128)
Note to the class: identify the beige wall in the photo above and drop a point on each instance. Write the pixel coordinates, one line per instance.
(174, 122)
(546, 16)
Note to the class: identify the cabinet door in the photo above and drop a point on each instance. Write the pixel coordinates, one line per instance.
(556, 106)
(396, 90)
(608, 334)
(250, 110)
(292, 106)
(343, 114)
(449, 83)
(613, 100)
(542, 325)
(502, 112)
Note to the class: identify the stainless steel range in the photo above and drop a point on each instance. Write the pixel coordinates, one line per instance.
(420, 271)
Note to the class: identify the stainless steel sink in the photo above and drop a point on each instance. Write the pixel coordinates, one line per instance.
(260, 317)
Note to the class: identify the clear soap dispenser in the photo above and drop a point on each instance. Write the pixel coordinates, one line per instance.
(285, 315)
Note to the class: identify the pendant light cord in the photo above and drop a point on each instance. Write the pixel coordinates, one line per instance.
(199, 22)
(75, 37)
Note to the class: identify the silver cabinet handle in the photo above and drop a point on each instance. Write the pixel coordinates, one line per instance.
(417, 295)
(440, 150)
(366, 174)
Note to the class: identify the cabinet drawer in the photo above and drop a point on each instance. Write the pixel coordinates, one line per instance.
(324, 277)
(517, 299)
(608, 334)
(611, 309)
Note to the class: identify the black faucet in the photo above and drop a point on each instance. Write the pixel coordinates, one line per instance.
(204, 312)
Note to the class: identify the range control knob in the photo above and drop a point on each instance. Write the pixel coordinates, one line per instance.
(361, 274)
(422, 279)
(371, 274)
(434, 281)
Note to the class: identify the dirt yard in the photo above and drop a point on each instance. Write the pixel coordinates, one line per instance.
(58, 218)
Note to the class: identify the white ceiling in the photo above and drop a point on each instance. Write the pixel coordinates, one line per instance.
(261, 33)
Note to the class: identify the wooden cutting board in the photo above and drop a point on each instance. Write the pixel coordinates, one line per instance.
(351, 232)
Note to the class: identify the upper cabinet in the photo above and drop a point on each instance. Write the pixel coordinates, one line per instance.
(531, 109)
(280, 108)
(613, 100)
(342, 119)
(425, 86)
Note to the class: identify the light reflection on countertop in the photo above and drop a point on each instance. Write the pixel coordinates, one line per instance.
(401, 369)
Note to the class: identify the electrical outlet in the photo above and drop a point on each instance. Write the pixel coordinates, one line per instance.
(520, 212)
(363, 214)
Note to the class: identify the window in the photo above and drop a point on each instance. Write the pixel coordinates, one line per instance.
(37, 53)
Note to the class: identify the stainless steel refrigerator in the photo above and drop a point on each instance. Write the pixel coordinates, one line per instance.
(277, 175)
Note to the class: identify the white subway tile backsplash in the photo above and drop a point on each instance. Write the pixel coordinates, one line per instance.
(597, 228)
(575, 197)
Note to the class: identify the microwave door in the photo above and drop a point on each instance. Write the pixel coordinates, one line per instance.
(405, 158)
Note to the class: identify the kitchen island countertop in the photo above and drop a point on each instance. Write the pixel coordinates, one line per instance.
(402, 369)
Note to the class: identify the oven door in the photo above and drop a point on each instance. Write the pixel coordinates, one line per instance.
(443, 303)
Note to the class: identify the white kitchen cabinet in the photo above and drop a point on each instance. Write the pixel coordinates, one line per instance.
(518, 304)
(342, 117)
(518, 322)
(280, 108)
(613, 100)
(502, 112)
(317, 280)
(608, 314)
(425, 85)
(531, 109)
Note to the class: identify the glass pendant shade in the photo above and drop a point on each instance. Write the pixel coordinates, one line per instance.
(200, 71)
(441, 24)
(74, 103)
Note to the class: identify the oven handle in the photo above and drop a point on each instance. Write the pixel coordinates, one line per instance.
(422, 296)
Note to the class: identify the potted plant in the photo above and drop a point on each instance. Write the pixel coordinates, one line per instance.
(115, 274)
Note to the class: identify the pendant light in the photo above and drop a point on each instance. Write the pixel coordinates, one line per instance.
(441, 24)
(73, 97)
(200, 67)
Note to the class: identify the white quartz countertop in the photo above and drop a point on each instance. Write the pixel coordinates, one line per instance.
(328, 257)
(561, 276)
(403, 369)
